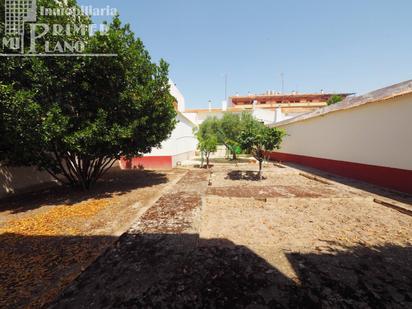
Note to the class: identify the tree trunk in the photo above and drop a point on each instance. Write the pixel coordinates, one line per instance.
(202, 158)
(260, 169)
(80, 171)
(234, 157)
(207, 161)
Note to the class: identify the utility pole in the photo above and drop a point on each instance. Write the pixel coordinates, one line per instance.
(226, 86)
(282, 77)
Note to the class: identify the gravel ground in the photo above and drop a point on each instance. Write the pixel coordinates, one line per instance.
(234, 243)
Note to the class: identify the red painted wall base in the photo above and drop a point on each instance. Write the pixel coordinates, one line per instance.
(394, 178)
(159, 162)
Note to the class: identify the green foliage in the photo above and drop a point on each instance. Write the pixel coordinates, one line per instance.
(334, 99)
(236, 131)
(74, 116)
(207, 136)
(209, 145)
(257, 138)
(230, 127)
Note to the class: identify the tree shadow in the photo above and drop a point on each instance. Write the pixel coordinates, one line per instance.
(359, 277)
(115, 182)
(35, 269)
(244, 175)
(178, 271)
(183, 271)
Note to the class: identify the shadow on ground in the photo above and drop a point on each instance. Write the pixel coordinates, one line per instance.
(244, 175)
(34, 269)
(183, 271)
(115, 182)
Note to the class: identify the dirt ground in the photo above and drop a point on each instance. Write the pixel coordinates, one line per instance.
(48, 238)
(227, 240)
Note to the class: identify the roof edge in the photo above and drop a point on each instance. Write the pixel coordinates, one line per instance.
(187, 118)
(381, 94)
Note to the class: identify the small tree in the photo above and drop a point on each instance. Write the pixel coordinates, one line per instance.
(334, 99)
(257, 138)
(229, 130)
(207, 137)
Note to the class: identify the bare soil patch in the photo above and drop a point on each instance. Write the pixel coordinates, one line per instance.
(47, 238)
(268, 192)
(296, 224)
(247, 176)
(316, 245)
(172, 213)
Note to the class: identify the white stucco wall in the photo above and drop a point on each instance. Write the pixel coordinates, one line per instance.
(192, 117)
(180, 158)
(200, 117)
(378, 133)
(174, 91)
(182, 140)
(265, 115)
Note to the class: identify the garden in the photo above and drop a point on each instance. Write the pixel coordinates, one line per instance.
(243, 232)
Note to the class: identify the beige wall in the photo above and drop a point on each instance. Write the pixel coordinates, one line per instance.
(21, 179)
(378, 133)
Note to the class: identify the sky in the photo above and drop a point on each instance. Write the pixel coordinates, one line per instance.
(334, 45)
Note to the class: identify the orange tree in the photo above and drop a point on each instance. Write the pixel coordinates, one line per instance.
(75, 116)
(207, 136)
(257, 138)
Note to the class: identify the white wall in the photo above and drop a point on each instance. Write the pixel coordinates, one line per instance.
(182, 140)
(178, 159)
(174, 91)
(192, 117)
(378, 133)
(200, 117)
(266, 115)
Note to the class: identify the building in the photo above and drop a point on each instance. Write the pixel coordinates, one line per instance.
(366, 137)
(270, 107)
(180, 146)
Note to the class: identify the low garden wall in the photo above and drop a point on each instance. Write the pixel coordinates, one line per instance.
(22, 179)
